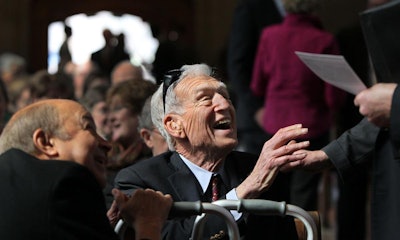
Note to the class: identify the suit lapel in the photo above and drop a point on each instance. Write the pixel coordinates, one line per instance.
(231, 176)
(183, 181)
(188, 188)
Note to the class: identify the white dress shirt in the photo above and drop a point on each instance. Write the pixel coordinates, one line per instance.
(204, 177)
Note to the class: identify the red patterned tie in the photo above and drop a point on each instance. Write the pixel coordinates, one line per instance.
(215, 182)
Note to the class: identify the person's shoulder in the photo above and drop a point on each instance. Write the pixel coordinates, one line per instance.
(157, 167)
(150, 164)
(21, 159)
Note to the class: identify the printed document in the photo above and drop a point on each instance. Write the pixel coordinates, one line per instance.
(333, 69)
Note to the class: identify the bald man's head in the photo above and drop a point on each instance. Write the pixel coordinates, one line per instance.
(58, 129)
(126, 71)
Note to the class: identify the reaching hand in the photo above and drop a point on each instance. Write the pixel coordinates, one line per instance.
(276, 152)
(313, 161)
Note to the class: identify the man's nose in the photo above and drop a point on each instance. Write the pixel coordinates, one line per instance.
(221, 102)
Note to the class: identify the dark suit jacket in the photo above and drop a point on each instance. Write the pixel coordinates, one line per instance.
(366, 142)
(49, 200)
(169, 174)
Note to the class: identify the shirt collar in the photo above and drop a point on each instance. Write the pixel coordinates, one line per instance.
(203, 176)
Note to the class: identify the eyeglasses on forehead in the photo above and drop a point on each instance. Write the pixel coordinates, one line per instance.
(172, 76)
(169, 78)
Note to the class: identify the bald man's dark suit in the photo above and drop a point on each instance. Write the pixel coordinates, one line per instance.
(48, 199)
(169, 174)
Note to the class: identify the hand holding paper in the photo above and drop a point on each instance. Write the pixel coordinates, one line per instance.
(333, 69)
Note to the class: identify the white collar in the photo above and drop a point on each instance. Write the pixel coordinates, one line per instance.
(203, 176)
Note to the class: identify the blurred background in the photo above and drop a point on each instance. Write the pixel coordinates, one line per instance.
(33, 29)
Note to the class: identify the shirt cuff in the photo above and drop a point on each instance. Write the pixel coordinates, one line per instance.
(231, 195)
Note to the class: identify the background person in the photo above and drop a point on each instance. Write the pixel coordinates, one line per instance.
(125, 102)
(292, 92)
(148, 131)
(95, 101)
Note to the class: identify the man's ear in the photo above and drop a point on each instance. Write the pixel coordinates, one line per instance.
(174, 125)
(146, 136)
(44, 144)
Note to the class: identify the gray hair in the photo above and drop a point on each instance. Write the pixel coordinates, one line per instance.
(18, 132)
(172, 103)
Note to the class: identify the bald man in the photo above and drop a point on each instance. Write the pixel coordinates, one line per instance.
(52, 169)
(125, 70)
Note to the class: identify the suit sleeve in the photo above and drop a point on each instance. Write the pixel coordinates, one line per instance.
(353, 148)
(127, 181)
(395, 122)
(78, 209)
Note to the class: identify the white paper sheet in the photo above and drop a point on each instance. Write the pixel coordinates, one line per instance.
(333, 69)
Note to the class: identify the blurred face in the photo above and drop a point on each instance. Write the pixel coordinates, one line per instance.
(84, 146)
(100, 117)
(154, 140)
(126, 71)
(159, 143)
(24, 99)
(123, 123)
(209, 118)
(80, 74)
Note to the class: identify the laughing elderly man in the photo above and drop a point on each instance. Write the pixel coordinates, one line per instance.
(193, 111)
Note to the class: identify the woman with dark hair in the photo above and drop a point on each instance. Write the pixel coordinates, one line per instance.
(125, 102)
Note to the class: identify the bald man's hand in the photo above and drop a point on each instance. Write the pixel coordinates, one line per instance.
(146, 211)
